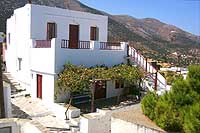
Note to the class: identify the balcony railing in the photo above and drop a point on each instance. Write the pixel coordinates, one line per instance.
(64, 43)
(84, 44)
(81, 44)
(43, 44)
(110, 46)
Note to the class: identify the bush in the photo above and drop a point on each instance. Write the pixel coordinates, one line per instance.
(178, 110)
(149, 103)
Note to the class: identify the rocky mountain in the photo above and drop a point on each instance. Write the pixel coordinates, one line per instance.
(149, 35)
(153, 29)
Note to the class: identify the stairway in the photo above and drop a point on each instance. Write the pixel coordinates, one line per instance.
(16, 88)
(153, 79)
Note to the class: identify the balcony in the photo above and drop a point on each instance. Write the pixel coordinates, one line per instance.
(81, 45)
(57, 52)
(110, 46)
(88, 45)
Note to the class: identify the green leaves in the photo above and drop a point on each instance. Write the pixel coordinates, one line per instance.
(178, 110)
(77, 79)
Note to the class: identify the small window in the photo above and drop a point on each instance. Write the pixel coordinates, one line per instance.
(8, 38)
(19, 63)
(94, 33)
(6, 130)
(51, 31)
(119, 84)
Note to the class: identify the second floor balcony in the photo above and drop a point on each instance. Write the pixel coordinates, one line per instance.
(67, 44)
(55, 53)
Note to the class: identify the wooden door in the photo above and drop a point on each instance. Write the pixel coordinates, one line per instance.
(73, 36)
(51, 31)
(100, 90)
(39, 86)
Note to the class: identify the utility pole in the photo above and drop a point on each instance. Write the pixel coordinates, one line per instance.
(2, 105)
(1, 91)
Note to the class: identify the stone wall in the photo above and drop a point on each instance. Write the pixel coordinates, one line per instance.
(120, 126)
(17, 126)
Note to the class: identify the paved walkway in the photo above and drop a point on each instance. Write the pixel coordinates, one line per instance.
(25, 107)
(41, 117)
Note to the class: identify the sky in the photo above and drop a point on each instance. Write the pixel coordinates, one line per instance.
(184, 14)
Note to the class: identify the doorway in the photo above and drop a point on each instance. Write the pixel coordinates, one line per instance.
(39, 86)
(73, 36)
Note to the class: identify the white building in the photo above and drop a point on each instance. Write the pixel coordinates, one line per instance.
(41, 39)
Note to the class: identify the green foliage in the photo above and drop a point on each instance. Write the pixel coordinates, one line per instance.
(192, 119)
(179, 109)
(149, 103)
(194, 77)
(77, 79)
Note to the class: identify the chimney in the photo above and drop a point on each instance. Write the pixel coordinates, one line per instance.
(29, 1)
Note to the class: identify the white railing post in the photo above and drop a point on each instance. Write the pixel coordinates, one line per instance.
(142, 62)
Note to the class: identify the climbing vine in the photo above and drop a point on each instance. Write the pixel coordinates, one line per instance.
(77, 79)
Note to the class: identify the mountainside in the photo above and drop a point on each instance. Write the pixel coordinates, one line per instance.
(154, 38)
(152, 29)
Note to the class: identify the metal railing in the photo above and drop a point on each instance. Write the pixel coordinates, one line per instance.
(64, 43)
(110, 46)
(81, 44)
(84, 44)
(142, 62)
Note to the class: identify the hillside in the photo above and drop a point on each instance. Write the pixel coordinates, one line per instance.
(154, 38)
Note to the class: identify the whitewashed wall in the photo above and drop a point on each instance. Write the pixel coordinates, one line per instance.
(18, 26)
(41, 15)
(111, 91)
(88, 57)
(48, 83)
(18, 126)
(98, 124)
(120, 126)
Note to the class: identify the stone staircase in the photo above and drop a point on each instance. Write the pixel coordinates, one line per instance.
(24, 107)
(16, 88)
(153, 79)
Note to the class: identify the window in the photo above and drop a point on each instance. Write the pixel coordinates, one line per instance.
(51, 31)
(94, 33)
(119, 84)
(19, 63)
(8, 38)
(6, 130)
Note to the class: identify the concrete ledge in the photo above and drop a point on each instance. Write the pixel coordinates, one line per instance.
(18, 126)
(60, 109)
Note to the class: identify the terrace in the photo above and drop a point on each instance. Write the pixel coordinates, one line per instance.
(81, 45)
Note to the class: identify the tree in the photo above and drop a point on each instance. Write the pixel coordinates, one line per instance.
(149, 103)
(179, 109)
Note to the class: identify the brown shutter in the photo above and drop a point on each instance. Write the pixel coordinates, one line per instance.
(51, 31)
(93, 33)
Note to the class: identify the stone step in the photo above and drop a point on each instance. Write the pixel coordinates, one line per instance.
(75, 121)
(23, 93)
